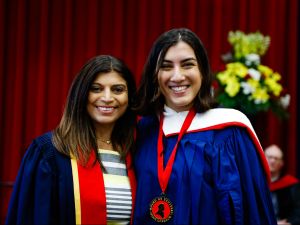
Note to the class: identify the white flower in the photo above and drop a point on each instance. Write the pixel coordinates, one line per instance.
(252, 59)
(285, 101)
(258, 101)
(254, 74)
(247, 89)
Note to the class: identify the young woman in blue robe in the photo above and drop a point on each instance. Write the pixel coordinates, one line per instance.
(195, 163)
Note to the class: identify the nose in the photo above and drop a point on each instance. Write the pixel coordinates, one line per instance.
(107, 95)
(178, 75)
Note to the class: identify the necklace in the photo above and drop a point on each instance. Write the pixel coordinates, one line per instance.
(105, 141)
(161, 208)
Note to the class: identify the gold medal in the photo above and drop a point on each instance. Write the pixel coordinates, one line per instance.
(161, 209)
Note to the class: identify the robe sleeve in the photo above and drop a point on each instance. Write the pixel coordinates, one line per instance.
(33, 198)
(242, 190)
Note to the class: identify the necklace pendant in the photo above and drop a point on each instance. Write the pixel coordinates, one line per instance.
(161, 209)
(108, 142)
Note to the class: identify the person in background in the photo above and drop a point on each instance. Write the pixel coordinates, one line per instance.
(195, 164)
(285, 188)
(81, 172)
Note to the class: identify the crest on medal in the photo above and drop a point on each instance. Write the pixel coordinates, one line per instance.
(161, 209)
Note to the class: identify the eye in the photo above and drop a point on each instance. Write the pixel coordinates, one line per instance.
(188, 65)
(118, 89)
(96, 88)
(166, 66)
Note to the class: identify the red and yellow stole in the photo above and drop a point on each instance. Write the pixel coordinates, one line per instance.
(89, 190)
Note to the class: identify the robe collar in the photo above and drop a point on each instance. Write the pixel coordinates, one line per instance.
(214, 119)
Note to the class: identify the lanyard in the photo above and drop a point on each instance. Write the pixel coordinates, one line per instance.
(164, 174)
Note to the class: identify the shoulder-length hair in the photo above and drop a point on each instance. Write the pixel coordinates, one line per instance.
(75, 134)
(149, 99)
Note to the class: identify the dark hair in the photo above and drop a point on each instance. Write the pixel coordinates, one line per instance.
(75, 133)
(149, 99)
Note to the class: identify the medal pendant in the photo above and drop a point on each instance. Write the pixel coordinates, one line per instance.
(161, 209)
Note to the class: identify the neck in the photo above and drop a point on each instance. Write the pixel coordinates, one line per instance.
(104, 143)
(275, 176)
(104, 132)
(181, 108)
(103, 136)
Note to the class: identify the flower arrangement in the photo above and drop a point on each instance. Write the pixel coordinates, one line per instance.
(246, 84)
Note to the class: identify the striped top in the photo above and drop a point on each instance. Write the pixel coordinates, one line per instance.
(117, 188)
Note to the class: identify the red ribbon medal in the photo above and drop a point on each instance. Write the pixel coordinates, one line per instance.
(161, 208)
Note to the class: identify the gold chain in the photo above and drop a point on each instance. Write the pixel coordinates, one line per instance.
(105, 141)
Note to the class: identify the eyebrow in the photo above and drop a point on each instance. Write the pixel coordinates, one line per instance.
(116, 84)
(185, 60)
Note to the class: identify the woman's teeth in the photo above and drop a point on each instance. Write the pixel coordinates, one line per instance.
(105, 109)
(179, 88)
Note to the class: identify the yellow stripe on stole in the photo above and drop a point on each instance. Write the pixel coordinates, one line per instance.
(76, 190)
(101, 150)
(116, 180)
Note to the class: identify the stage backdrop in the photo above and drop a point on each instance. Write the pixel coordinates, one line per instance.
(43, 43)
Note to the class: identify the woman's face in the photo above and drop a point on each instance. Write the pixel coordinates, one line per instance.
(107, 99)
(179, 77)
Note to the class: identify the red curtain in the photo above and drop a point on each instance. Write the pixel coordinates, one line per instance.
(43, 43)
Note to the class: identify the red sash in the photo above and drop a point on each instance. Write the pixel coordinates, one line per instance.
(89, 191)
(283, 182)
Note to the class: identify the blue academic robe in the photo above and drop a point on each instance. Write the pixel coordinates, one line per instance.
(43, 191)
(217, 177)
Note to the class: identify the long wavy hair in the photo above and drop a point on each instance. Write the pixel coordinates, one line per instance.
(149, 98)
(75, 133)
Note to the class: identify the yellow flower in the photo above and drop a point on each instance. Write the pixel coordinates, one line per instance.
(232, 87)
(267, 71)
(223, 76)
(244, 44)
(274, 87)
(276, 76)
(260, 95)
(253, 83)
(237, 69)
